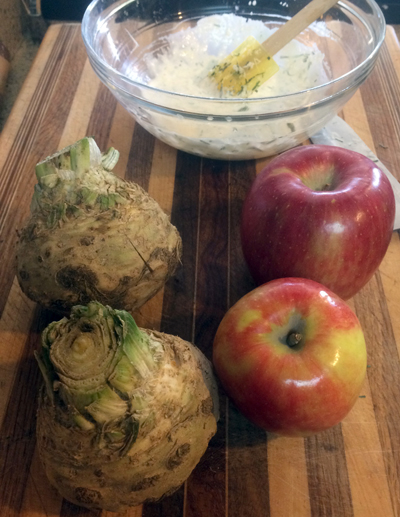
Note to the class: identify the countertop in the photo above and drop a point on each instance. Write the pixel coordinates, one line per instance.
(352, 469)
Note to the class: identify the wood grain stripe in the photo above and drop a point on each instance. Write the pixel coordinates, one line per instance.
(247, 446)
(288, 482)
(393, 46)
(328, 481)
(381, 94)
(354, 113)
(247, 467)
(28, 90)
(18, 155)
(102, 116)
(40, 498)
(241, 176)
(17, 433)
(206, 486)
(383, 376)
(76, 126)
(140, 157)
(179, 295)
(179, 292)
(70, 510)
(49, 109)
(364, 458)
(161, 188)
(14, 326)
(389, 270)
(363, 452)
(72, 131)
(120, 137)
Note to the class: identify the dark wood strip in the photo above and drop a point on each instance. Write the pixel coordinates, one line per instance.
(101, 118)
(242, 175)
(38, 139)
(248, 486)
(179, 291)
(17, 434)
(328, 479)
(71, 510)
(171, 506)
(383, 376)
(212, 253)
(381, 94)
(247, 444)
(140, 159)
(206, 493)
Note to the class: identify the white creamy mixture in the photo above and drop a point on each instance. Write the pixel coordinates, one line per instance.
(184, 66)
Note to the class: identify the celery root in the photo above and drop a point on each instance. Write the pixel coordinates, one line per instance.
(92, 235)
(125, 414)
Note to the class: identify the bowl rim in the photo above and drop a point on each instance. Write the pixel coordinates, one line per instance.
(94, 57)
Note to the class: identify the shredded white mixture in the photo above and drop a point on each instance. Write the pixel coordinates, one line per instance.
(190, 54)
(181, 62)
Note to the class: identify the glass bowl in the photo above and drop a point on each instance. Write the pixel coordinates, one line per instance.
(123, 36)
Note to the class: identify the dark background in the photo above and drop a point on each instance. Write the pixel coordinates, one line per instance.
(72, 10)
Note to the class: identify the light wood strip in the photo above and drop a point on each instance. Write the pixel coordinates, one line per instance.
(81, 108)
(161, 188)
(162, 178)
(354, 113)
(15, 324)
(287, 474)
(379, 94)
(121, 138)
(393, 45)
(364, 457)
(389, 273)
(383, 377)
(101, 118)
(18, 112)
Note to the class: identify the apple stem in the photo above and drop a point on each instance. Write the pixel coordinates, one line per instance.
(293, 338)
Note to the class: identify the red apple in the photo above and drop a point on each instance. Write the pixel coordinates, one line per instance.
(291, 355)
(318, 212)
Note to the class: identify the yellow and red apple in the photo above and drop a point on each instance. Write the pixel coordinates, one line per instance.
(291, 355)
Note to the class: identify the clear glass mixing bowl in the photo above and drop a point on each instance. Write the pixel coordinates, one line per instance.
(119, 34)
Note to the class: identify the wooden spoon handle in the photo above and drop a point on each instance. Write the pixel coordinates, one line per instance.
(295, 25)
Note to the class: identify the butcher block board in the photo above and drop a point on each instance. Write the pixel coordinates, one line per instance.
(352, 469)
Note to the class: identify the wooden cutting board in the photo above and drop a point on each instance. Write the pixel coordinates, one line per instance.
(350, 470)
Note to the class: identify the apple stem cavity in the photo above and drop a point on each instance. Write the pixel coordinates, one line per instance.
(294, 338)
(326, 187)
